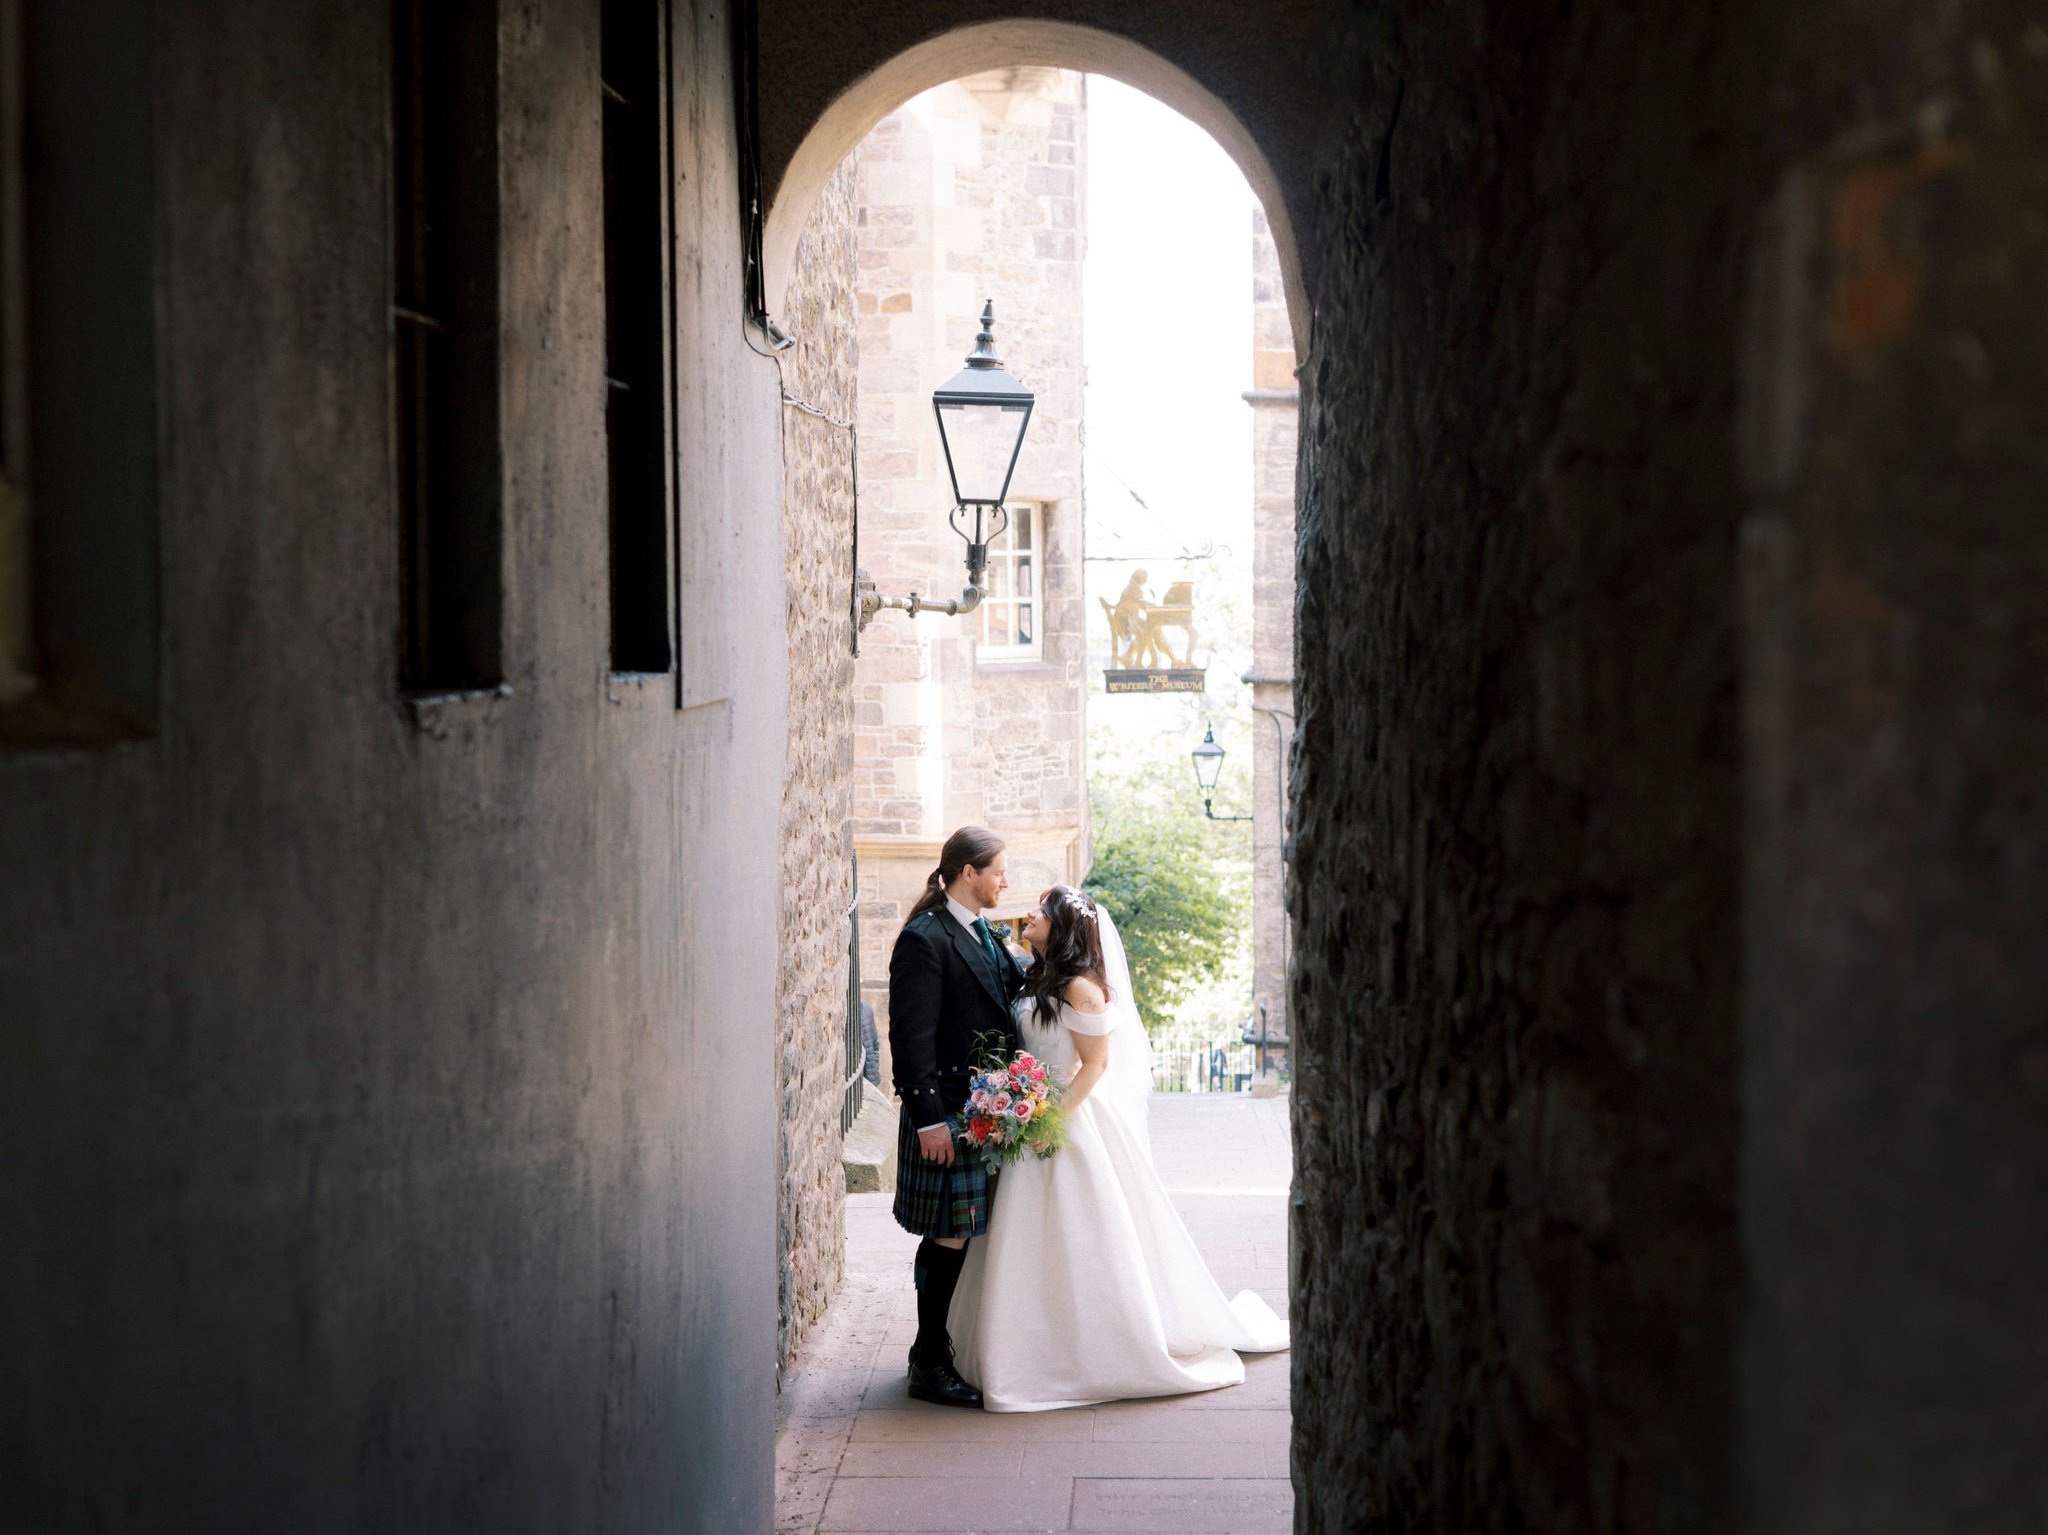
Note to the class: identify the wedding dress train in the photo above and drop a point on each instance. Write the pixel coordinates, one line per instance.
(1087, 1287)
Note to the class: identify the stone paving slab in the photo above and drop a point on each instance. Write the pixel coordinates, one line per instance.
(1182, 1507)
(1202, 1459)
(920, 1423)
(951, 1504)
(855, 1456)
(1266, 1380)
(916, 1457)
(1174, 1422)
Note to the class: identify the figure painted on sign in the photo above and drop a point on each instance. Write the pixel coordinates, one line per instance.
(1176, 612)
(1127, 619)
(1139, 624)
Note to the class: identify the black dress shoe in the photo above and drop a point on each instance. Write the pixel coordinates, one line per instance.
(941, 1383)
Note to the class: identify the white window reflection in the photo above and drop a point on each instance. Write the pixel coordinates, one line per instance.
(1010, 614)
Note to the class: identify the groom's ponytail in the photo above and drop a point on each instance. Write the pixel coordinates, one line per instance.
(970, 846)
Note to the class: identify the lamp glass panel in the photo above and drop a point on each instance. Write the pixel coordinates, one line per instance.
(1208, 765)
(982, 441)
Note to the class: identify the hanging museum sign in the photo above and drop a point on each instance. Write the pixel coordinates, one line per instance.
(1142, 629)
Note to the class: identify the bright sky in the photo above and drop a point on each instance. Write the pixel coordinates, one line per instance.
(1167, 285)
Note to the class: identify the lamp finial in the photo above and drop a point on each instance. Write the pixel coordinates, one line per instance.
(984, 353)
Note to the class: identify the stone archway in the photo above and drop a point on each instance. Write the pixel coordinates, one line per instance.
(817, 310)
(1643, 724)
(795, 182)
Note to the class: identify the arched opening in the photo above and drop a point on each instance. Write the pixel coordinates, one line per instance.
(969, 50)
(918, 261)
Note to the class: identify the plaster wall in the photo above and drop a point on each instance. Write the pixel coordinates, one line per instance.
(971, 192)
(385, 1149)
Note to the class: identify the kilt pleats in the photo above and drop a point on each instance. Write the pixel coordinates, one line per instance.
(934, 1201)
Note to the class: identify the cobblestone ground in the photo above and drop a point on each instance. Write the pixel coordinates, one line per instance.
(855, 1454)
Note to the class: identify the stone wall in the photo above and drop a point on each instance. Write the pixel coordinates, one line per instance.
(1517, 828)
(1895, 840)
(1276, 409)
(973, 191)
(816, 857)
(1569, 920)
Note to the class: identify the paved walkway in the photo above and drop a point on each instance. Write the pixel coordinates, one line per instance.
(854, 1453)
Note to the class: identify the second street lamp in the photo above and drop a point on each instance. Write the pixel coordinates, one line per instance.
(982, 412)
(1208, 768)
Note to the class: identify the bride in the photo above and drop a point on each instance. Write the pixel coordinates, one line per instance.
(1087, 1287)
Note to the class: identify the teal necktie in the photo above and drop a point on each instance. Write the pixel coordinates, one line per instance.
(988, 941)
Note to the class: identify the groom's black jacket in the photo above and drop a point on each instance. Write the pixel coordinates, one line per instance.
(942, 993)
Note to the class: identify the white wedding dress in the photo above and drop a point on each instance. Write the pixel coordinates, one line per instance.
(1087, 1288)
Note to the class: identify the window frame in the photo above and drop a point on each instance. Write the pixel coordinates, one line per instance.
(636, 100)
(79, 339)
(445, 248)
(1002, 550)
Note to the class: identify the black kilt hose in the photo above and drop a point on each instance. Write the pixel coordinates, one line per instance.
(944, 991)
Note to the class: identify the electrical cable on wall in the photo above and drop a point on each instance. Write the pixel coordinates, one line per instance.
(746, 50)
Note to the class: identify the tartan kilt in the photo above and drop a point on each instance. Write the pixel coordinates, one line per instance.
(934, 1201)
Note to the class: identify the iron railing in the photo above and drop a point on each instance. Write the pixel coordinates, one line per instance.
(856, 1056)
(1216, 1057)
(1185, 1065)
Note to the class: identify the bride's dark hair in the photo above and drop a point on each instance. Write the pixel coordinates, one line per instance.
(1073, 947)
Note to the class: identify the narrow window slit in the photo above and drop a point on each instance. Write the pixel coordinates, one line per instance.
(445, 354)
(632, 58)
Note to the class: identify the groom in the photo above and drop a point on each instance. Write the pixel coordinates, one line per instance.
(949, 980)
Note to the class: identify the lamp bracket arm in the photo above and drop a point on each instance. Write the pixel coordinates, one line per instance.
(870, 601)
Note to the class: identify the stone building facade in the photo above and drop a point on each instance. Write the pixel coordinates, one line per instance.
(972, 191)
(1275, 404)
(818, 373)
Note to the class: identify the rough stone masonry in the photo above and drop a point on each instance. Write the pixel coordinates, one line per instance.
(816, 860)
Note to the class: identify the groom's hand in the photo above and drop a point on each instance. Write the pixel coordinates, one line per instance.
(936, 1144)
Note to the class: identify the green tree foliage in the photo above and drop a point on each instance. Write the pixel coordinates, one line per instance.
(1178, 883)
(1179, 899)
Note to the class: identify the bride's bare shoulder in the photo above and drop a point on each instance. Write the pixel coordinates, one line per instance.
(1084, 996)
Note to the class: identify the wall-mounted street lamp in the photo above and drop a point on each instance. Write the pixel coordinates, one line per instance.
(1208, 768)
(982, 412)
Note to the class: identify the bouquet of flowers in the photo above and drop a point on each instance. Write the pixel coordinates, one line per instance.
(1012, 1107)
